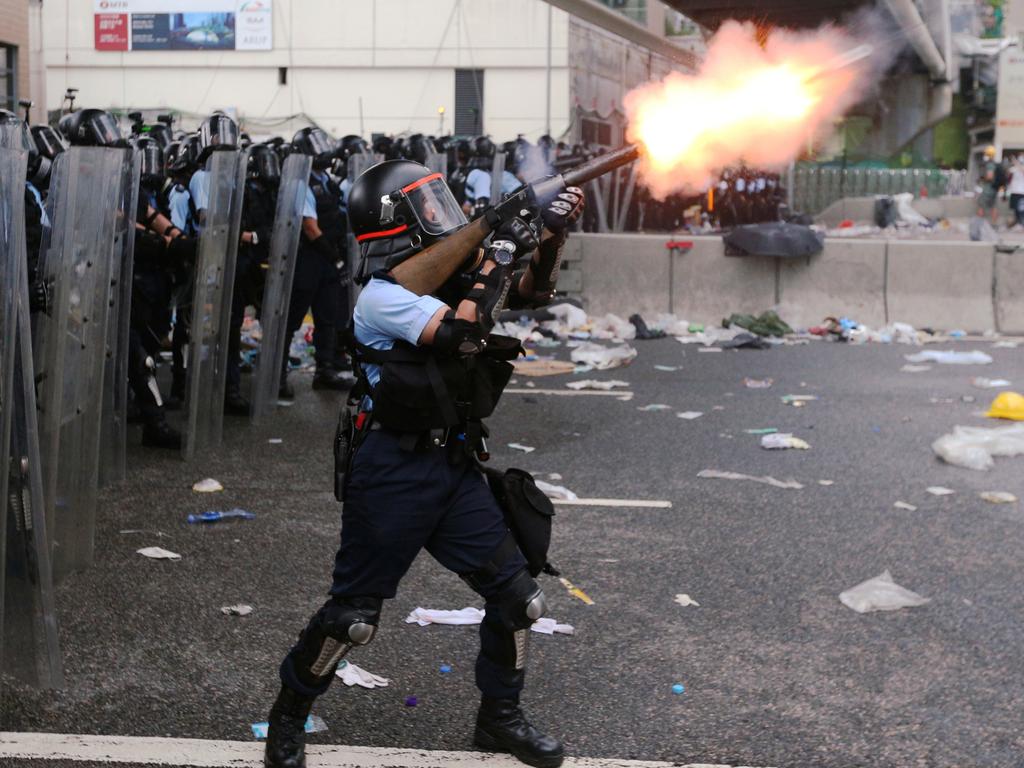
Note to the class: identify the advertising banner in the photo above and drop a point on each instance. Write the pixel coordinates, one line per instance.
(183, 25)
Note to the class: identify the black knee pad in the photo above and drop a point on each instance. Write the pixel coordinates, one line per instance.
(339, 626)
(521, 602)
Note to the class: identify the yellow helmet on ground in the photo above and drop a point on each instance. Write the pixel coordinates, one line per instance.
(1007, 405)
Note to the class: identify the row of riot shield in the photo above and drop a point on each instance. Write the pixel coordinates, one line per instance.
(277, 290)
(81, 341)
(30, 647)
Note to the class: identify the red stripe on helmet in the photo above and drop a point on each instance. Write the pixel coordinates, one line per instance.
(382, 233)
(421, 182)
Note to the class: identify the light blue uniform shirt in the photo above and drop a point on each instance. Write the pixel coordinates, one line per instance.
(177, 200)
(199, 189)
(478, 184)
(309, 205)
(387, 311)
(44, 220)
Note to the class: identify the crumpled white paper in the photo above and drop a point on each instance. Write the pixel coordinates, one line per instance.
(949, 357)
(556, 491)
(602, 358)
(209, 485)
(783, 440)
(158, 553)
(595, 384)
(351, 675)
(767, 479)
(880, 594)
(470, 615)
(236, 610)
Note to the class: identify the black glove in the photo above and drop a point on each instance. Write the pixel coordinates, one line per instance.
(326, 248)
(40, 294)
(520, 232)
(564, 209)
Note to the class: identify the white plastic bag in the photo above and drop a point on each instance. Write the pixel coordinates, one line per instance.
(975, 447)
(950, 357)
(905, 208)
(880, 594)
(602, 358)
(612, 327)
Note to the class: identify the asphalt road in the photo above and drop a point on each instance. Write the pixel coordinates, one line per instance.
(777, 671)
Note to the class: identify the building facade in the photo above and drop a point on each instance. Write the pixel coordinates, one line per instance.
(14, 53)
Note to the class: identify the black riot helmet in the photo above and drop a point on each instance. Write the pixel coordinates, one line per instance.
(317, 144)
(91, 128)
(186, 159)
(382, 146)
(416, 148)
(48, 144)
(398, 207)
(483, 153)
(352, 145)
(218, 131)
(161, 133)
(264, 164)
(151, 158)
(14, 133)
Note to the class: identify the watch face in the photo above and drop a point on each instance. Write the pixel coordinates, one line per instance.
(502, 257)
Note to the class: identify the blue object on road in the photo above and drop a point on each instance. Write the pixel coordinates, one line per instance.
(678, 688)
(216, 516)
(411, 701)
(445, 669)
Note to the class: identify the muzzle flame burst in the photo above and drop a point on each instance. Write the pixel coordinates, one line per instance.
(757, 104)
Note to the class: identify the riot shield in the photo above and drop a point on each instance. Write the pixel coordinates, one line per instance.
(114, 424)
(437, 162)
(497, 172)
(70, 344)
(357, 163)
(277, 291)
(212, 290)
(28, 617)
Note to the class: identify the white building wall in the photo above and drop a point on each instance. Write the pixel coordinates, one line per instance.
(397, 56)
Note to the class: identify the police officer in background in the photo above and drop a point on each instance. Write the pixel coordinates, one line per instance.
(430, 370)
(478, 181)
(319, 269)
(260, 204)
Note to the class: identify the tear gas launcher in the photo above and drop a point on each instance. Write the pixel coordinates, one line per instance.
(428, 270)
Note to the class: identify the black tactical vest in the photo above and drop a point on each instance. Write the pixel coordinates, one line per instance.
(330, 219)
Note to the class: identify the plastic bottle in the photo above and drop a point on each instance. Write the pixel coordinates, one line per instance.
(216, 516)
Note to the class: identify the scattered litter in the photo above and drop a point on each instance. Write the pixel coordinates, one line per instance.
(642, 331)
(982, 383)
(998, 497)
(767, 324)
(445, 669)
(678, 689)
(938, 490)
(709, 349)
(880, 594)
(215, 516)
(746, 341)
(975, 447)
(1007, 405)
(469, 616)
(826, 482)
(668, 368)
(685, 600)
(782, 440)
(576, 591)
(411, 701)
(521, 447)
(762, 431)
(554, 476)
(904, 505)
(758, 383)
(1007, 344)
(158, 553)
(690, 415)
(717, 407)
(556, 491)
(967, 398)
(654, 407)
(915, 368)
(543, 368)
(236, 610)
(768, 480)
(275, 441)
(949, 357)
(209, 485)
(595, 384)
(286, 403)
(351, 675)
(798, 400)
(314, 724)
(603, 358)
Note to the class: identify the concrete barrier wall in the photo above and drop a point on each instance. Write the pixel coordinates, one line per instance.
(861, 210)
(943, 285)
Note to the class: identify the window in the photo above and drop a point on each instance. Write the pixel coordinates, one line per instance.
(595, 132)
(469, 102)
(633, 9)
(8, 77)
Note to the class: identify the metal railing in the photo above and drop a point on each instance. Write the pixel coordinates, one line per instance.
(815, 188)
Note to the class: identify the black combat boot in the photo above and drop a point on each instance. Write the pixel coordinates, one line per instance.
(235, 404)
(328, 378)
(286, 735)
(285, 391)
(160, 434)
(501, 726)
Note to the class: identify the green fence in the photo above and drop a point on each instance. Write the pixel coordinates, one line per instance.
(816, 188)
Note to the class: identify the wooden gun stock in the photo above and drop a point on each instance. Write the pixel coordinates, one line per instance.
(429, 269)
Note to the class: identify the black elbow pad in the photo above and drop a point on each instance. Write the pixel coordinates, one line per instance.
(456, 336)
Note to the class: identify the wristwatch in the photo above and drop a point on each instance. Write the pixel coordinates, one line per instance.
(502, 252)
(255, 238)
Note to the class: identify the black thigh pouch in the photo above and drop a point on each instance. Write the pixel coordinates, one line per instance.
(528, 514)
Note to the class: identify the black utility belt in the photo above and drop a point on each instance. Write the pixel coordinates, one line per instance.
(424, 440)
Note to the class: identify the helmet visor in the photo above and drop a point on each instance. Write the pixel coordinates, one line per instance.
(152, 160)
(434, 205)
(48, 141)
(320, 142)
(268, 166)
(220, 133)
(14, 135)
(105, 129)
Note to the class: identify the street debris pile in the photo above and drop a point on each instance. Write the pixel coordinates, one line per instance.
(880, 594)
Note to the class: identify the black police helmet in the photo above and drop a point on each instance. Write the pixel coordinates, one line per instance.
(316, 143)
(91, 128)
(151, 156)
(264, 163)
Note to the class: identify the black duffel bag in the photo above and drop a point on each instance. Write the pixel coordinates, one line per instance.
(528, 514)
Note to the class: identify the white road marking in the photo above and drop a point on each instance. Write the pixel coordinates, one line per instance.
(637, 503)
(620, 394)
(202, 753)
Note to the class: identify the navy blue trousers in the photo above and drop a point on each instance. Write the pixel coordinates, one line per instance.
(399, 502)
